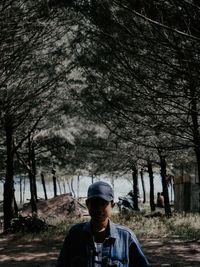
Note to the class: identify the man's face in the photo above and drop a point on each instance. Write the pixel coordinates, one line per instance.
(99, 209)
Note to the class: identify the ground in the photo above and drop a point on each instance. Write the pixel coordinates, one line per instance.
(38, 253)
(27, 252)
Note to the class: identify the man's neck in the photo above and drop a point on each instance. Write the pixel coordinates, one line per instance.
(99, 226)
(100, 230)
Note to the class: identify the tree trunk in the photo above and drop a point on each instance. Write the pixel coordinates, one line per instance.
(78, 185)
(197, 153)
(72, 187)
(135, 186)
(31, 178)
(8, 185)
(33, 200)
(24, 188)
(143, 185)
(64, 188)
(164, 185)
(195, 122)
(44, 186)
(92, 178)
(151, 182)
(54, 186)
(33, 164)
(20, 189)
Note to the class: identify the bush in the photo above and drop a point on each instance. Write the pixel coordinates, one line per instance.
(31, 224)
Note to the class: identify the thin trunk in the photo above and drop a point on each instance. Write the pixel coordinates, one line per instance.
(69, 187)
(197, 152)
(143, 185)
(151, 182)
(31, 178)
(78, 185)
(164, 185)
(44, 186)
(64, 188)
(33, 164)
(20, 189)
(199, 202)
(135, 186)
(33, 200)
(72, 187)
(8, 185)
(54, 186)
(92, 178)
(196, 133)
(24, 188)
(171, 193)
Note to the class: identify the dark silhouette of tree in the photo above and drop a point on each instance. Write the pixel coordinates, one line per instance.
(151, 182)
(141, 63)
(30, 70)
(143, 185)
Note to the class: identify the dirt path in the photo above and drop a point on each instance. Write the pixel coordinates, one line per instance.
(38, 253)
(175, 253)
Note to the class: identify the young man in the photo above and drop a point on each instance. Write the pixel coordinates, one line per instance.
(100, 242)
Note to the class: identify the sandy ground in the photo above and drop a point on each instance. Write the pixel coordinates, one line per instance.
(38, 253)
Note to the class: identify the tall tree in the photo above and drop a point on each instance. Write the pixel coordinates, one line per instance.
(141, 63)
(30, 73)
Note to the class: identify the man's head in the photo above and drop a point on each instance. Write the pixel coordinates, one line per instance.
(100, 200)
(101, 190)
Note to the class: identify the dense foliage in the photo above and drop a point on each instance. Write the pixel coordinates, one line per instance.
(96, 87)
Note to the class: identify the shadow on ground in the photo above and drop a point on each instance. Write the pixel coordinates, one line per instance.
(175, 253)
(35, 253)
(42, 253)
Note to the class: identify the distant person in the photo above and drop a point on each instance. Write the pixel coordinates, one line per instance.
(130, 193)
(100, 242)
(160, 200)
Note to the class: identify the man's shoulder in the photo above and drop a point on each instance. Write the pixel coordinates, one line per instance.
(124, 230)
(78, 227)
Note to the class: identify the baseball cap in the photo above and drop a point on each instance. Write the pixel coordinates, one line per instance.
(102, 190)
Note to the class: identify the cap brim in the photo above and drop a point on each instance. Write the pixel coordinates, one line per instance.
(107, 198)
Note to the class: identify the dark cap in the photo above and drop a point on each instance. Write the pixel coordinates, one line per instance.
(102, 190)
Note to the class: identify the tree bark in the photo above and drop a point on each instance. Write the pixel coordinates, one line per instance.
(31, 178)
(164, 185)
(196, 133)
(8, 201)
(24, 188)
(64, 188)
(151, 182)
(20, 188)
(92, 178)
(54, 186)
(72, 187)
(44, 186)
(78, 185)
(135, 186)
(143, 185)
(33, 164)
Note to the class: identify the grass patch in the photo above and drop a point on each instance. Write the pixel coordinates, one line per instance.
(186, 226)
(181, 226)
